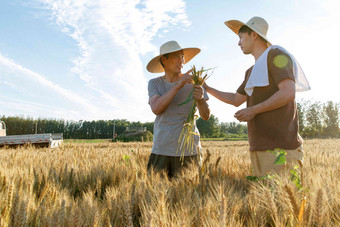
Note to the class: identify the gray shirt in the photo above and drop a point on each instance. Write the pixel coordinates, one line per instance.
(169, 124)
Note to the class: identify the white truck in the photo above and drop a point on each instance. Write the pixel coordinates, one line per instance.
(43, 140)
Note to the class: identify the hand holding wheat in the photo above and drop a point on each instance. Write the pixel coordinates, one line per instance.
(186, 138)
(198, 94)
(185, 78)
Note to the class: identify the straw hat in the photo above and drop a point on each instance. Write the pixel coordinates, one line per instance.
(257, 24)
(154, 66)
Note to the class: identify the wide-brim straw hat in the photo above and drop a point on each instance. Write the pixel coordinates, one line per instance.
(257, 24)
(154, 66)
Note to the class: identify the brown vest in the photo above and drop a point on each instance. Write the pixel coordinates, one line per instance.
(276, 128)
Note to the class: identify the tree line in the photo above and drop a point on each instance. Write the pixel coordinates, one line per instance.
(316, 119)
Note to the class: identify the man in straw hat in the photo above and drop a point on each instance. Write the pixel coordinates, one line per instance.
(269, 88)
(165, 93)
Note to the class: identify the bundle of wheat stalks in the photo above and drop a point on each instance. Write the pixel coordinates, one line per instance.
(186, 138)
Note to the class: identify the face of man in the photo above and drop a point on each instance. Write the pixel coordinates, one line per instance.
(246, 42)
(174, 63)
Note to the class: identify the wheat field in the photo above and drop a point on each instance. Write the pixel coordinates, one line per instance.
(106, 184)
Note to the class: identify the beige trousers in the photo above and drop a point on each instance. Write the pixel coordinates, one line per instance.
(263, 161)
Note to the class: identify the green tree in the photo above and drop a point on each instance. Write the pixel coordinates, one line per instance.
(301, 116)
(331, 119)
(149, 126)
(235, 128)
(314, 120)
(209, 128)
(121, 126)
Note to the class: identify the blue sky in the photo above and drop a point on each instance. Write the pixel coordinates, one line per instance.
(85, 59)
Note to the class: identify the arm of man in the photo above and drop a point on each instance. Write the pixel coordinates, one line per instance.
(285, 94)
(235, 99)
(202, 105)
(160, 103)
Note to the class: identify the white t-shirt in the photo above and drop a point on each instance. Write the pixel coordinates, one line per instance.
(169, 124)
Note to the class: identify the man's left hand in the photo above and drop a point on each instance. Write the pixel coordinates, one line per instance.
(245, 114)
(198, 93)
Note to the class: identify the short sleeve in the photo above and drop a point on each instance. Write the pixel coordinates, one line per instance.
(205, 94)
(280, 66)
(240, 89)
(152, 88)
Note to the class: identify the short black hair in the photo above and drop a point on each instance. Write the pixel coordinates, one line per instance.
(246, 29)
(160, 59)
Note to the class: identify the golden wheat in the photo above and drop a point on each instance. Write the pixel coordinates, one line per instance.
(292, 199)
(94, 185)
(318, 209)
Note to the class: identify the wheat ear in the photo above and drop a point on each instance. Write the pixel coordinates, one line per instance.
(128, 216)
(306, 215)
(15, 208)
(162, 211)
(292, 199)
(149, 219)
(10, 196)
(222, 208)
(272, 205)
(317, 214)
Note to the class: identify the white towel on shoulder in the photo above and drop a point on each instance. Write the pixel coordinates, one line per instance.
(259, 74)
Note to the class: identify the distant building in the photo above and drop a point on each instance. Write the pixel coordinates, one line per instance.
(135, 129)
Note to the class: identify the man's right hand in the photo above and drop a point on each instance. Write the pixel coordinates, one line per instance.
(185, 79)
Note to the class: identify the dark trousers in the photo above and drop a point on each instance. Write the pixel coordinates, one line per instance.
(169, 164)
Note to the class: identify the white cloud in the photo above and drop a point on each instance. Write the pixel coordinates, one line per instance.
(33, 85)
(111, 36)
(14, 106)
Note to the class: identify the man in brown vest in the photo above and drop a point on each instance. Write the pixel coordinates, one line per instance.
(269, 89)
